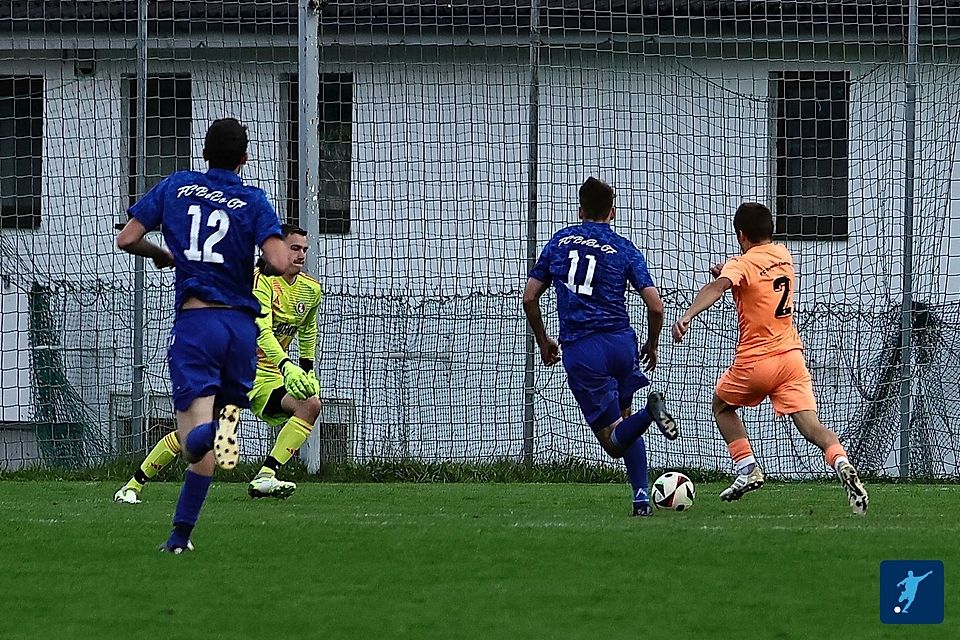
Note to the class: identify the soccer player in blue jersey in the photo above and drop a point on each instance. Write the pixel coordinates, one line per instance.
(212, 224)
(590, 266)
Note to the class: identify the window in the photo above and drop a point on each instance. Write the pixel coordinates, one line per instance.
(169, 115)
(812, 126)
(21, 151)
(336, 143)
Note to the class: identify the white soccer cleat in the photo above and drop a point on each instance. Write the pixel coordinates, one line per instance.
(270, 487)
(226, 449)
(127, 495)
(856, 493)
(744, 483)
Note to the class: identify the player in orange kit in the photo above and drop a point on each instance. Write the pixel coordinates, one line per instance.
(769, 356)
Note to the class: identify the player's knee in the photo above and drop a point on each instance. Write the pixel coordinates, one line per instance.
(606, 441)
(719, 406)
(309, 409)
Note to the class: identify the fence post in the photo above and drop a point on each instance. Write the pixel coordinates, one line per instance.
(533, 142)
(137, 399)
(308, 78)
(906, 310)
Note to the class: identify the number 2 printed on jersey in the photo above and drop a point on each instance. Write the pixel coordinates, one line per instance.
(218, 219)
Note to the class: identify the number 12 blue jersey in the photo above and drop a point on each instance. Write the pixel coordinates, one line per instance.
(212, 224)
(590, 266)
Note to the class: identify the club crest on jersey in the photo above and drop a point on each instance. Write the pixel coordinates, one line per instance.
(301, 308)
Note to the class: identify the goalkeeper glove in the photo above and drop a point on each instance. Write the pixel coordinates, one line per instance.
(314, 384)
(295, 380)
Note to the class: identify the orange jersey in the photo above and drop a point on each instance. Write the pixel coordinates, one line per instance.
(763, 283)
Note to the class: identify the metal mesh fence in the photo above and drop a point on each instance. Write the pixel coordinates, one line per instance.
(428, 146)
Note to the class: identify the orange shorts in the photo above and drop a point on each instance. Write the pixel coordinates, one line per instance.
(783, 378)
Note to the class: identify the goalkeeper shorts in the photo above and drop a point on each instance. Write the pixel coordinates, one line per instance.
(264, 386)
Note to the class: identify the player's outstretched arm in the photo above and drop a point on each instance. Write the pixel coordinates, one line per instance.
(131, 239)
(648, 352)
(549, 349)
(706, 298)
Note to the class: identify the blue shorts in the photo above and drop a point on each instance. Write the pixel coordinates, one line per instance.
(212, 352)
(603, 371)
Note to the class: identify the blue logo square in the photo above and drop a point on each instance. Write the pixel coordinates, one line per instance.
(911, 591)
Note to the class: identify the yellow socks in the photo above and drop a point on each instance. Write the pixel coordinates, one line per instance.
(162, 454)
(291, 437)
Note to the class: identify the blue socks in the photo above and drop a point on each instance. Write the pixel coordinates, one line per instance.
(628, 430)
(192, 495)
(200, 440)
(636, 460)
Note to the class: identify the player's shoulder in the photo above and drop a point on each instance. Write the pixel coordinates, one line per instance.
(310, 283)
(781, 250)
(263, 281)
(569, 230)
(251, 191)
(185, 176)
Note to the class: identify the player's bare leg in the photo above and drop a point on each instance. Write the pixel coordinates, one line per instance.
(810, 427)
(749, 475)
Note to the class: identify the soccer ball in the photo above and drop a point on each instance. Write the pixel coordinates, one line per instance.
(673, 490)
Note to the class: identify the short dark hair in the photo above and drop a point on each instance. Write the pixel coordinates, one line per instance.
(225, 144)
(286, 229)
(291, 229)
(596, 199)
(754, 220)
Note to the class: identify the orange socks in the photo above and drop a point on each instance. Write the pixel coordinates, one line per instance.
(835, 454)
(742, 455)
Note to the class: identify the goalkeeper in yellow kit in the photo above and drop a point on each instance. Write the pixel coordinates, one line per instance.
(284, 394)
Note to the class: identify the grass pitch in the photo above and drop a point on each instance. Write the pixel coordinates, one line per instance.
(466, 561)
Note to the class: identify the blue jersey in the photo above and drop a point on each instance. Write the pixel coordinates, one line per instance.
(590, 266)
(212, 224)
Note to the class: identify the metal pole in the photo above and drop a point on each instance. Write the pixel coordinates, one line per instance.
(308, 64)
(137, 399)
(533, 123)
(906, 311)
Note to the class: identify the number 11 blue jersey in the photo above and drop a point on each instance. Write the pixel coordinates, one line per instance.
(590, 266)
(212, 224)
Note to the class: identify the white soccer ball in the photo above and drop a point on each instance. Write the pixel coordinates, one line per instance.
(673, 490)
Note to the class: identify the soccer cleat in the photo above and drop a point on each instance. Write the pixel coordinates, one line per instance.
(226, 449)
(127, 495)
(269, 487)
(856, 493)
(166, 547)
(665, 422)
(642, 509)
(744, 483)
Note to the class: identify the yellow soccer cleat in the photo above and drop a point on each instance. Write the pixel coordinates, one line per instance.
(226, 448)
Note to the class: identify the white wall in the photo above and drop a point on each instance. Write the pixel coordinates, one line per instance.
(422, 327)
(14, 355)
(84, 192)
(439, 211)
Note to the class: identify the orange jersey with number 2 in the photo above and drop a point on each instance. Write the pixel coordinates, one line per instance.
(763, 283)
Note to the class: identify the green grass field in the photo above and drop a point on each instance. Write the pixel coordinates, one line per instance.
(466, 561)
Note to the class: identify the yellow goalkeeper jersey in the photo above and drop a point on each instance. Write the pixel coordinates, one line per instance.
(290, 310)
